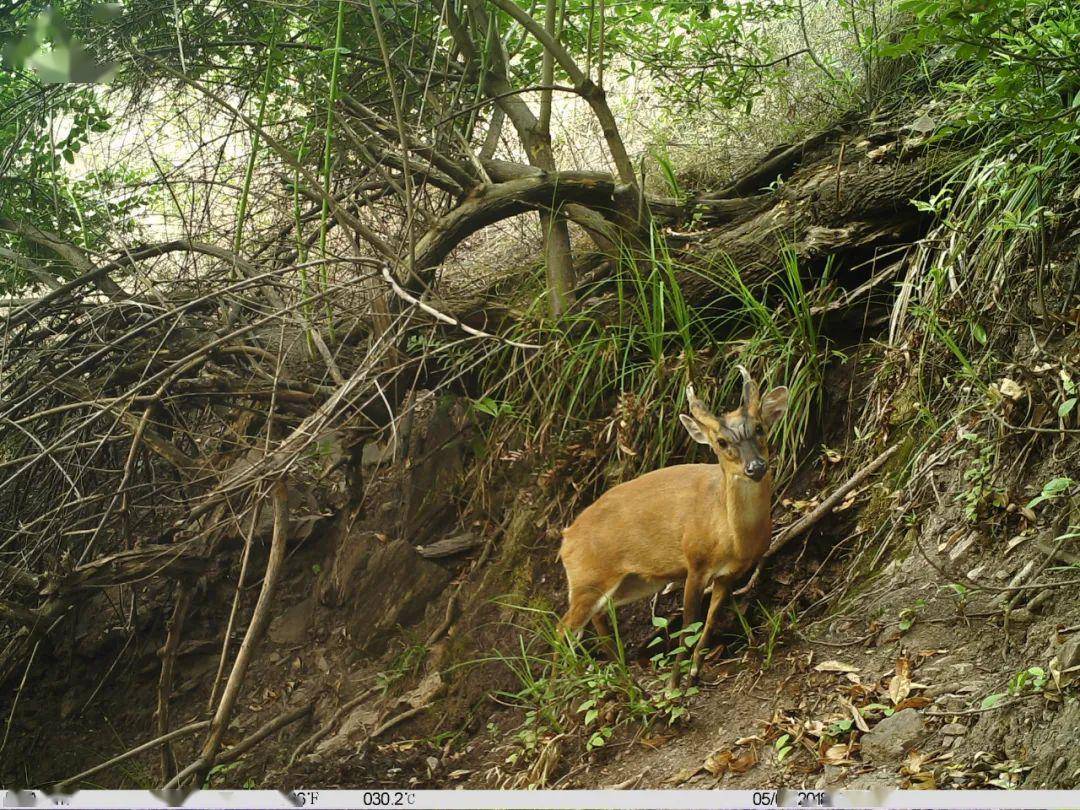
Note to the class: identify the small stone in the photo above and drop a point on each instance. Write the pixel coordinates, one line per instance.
(833, 774)
(292, 625)
(1023, 616)
(894, 736)
(953, 704)
(954, 729)
(936, 690)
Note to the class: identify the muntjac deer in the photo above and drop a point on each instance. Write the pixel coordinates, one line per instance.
(699, 523)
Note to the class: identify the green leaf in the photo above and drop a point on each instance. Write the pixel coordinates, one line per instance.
(1065, 408)
(990, 701)
(1052, 489)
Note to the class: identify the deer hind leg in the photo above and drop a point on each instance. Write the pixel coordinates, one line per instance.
(603, 631)
(692, 593)
(585, 603)
(719, 593)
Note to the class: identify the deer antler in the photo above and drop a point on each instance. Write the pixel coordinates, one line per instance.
(750, 394)
(697, 407)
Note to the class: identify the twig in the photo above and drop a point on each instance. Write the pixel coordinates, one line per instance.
(326, 728)
(448, 619)
(263, 732)
(18, 694)
(447, 319)
(825, 507)
(259, 620)
(168, 658)
(183, 731)
(996, 706)
(631, 783)
(245, 557)
(398, 719)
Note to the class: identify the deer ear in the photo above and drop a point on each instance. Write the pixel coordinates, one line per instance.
(773, 405)
(694, 429)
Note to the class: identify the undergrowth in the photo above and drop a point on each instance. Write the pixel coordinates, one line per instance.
(567, 692)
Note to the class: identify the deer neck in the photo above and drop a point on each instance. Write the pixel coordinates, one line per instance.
(749, 515)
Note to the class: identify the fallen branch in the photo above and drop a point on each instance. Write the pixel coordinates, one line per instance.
(802, 525)
(397, 720)
(263, 732)
(183, 731)
(260, 618)
(327, 727)
(167, 757)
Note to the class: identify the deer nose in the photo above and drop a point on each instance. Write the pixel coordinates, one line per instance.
(755, 469)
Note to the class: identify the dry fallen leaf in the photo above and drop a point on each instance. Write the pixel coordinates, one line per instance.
(917, 702)
(900, 683)
(835, 666)
(838, 754)
(848, 501)
(744, 761)
(1010, 388)
(718, 762)
(655, 741)
(682, 776)
(860, 723)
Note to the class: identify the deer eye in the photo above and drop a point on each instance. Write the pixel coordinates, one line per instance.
(721, 443)
(759, 430)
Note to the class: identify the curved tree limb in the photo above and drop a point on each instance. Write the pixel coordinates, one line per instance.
(260, 618)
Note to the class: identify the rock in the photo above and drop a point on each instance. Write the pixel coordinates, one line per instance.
(951, 703)
(291, 627)
(337, 580)
(893, 737)
(376, 454)
(954, 729)
(938, 689)
(833, 774)
(437, 443)
(1021, 617)
(1069, 654)
(358, 724)
(394, 589)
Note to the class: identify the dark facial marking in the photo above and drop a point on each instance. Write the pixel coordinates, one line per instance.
(742, 432)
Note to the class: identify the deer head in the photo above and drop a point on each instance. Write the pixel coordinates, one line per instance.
(739, 437)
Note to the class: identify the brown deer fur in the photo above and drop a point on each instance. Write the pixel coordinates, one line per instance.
(699, 523)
